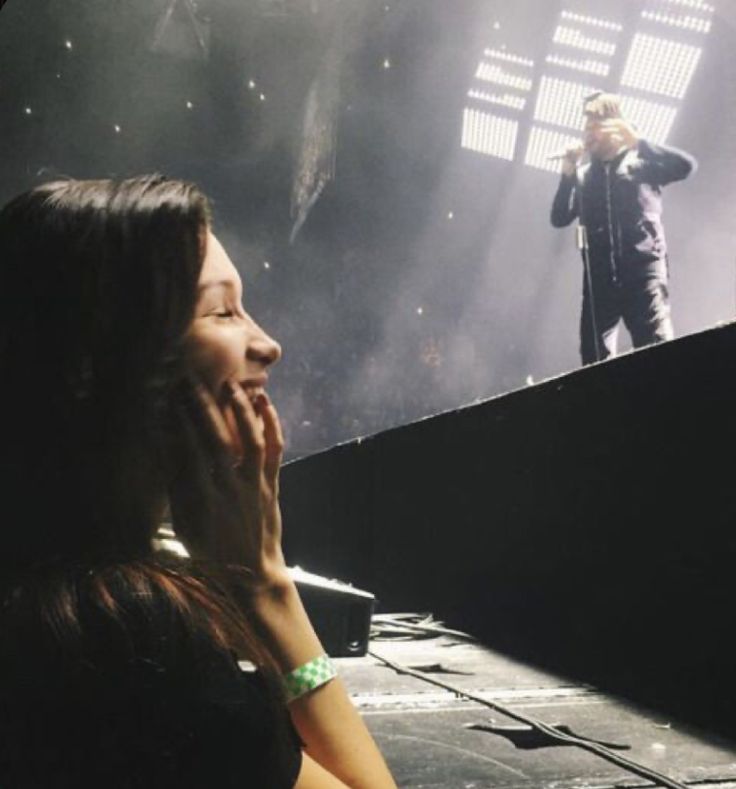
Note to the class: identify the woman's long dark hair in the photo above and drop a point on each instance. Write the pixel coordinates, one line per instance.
(98, 285)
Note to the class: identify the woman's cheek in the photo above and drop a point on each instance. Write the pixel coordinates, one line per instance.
(215, 359)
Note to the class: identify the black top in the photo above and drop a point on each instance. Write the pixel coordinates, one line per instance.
(151, 704)
(620, 204)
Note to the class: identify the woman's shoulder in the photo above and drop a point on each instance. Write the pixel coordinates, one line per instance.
(126, 665)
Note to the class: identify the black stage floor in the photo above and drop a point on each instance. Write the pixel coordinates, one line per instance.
(423, 730)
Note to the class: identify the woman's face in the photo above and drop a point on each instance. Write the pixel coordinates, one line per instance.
(224, 342)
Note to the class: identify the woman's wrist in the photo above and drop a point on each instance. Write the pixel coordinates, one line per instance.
(308, 677)
(278, 614)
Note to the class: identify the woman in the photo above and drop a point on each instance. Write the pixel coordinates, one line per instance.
(135, 385)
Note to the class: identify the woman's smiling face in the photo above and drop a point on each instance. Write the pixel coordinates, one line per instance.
(225, 343)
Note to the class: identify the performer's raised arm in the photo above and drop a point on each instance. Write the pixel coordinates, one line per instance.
(663, 165)
(564, 206)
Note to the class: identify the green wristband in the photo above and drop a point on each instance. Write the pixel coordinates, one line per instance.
(309, 677)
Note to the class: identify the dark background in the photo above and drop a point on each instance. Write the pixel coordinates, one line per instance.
(497, 287)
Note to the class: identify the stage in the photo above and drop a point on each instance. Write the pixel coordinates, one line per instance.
(584, 524)
(423, 730)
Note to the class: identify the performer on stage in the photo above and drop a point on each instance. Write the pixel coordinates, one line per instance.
(617, 196)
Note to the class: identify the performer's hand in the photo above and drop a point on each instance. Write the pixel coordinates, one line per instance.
(225, 499)
(620, 133)
(572, 156)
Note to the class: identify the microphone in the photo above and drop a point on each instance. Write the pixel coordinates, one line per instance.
(564, 153)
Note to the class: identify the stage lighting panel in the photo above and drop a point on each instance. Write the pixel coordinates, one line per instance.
(491, 72)
(508, 57)
(489, 134)
(683, 22)
(653, 121)
(544, 143)
(694, 5)
(589, 66)
(509, 100)
(582, 19)
(661, 66)
(560, 102)
(572, 37)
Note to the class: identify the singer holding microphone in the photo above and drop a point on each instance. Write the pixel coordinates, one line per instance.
(612, 183)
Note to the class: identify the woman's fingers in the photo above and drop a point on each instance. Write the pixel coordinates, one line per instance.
(214, 423)
(273, 436)
(250, 429)
(214, 438)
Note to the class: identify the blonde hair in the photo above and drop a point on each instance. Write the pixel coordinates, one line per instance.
(602, 106)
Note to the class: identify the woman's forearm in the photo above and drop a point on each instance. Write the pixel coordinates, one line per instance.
(331, 728)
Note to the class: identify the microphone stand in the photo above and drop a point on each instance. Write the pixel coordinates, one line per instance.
(581, 235)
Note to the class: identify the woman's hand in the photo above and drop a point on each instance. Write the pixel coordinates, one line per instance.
(225, 508)
(224, 499)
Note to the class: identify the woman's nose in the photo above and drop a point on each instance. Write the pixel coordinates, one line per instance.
(262, 348)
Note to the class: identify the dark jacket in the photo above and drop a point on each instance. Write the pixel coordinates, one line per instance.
(620, 204)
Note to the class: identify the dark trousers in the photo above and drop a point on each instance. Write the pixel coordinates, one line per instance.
(643, 306)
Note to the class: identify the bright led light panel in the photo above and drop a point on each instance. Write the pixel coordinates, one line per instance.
(683, 21)
(489, 134)
(695, 5)
(581, 19)
(658, 65)
(561, 103)
(509, 100)
(544, 143)
(572, 37)
(589, 66)
(491, 72)
(653, 121)
(507, 57)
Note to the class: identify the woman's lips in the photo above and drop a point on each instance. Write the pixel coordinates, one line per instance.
(258, 382)
(254, 388)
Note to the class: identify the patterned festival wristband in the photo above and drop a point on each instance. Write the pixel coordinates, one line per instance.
(309, 677)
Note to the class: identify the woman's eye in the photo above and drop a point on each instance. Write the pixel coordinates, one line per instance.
(223, 314)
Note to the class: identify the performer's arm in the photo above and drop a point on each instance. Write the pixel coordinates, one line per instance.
(662, 165)
(564, 206)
